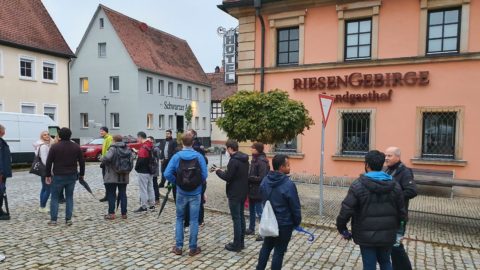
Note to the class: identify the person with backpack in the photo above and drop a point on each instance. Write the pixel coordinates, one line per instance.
(118, 163)
(259, 168)
(41, 148)
(187, 170)
(376, 207)
(107, 141)
(281, 193)
(145, 168)
(236, 177)
(156, 155)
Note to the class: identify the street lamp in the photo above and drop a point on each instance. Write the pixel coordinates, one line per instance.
(105, 102)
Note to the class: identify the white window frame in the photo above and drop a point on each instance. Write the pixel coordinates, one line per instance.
(82, 120)
(55, 117)
(1, 63)
(197, 94)
(149, 85)
(101, 23)
(197, 122)
(189, 92)
(161, 87)
(204, 95)
(54, 64)
(150, 121)
(204, 123)
(161, 121)
(170, 89)
(111, 84)
(30, 104)
(179, 90)
(26, 58)
(170, 122)
(82, 90)
(112, 120)
(100, 51)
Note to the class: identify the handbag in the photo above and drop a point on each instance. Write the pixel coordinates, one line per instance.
(38, 168)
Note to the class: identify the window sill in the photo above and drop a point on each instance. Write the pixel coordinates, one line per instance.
(348, 158)
(115, 92)
(50, 82)
(290, 155)
(27, 79)
(84, 127)
(440, 162)
(115, 128)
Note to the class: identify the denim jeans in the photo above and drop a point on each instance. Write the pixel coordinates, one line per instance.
(192, 205)
(238, 218)
(59, 183)
(112, 197)
(278, 244)
(44, 193)
(255, 209)
(372, 255)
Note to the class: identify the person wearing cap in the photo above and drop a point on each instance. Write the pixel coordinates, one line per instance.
(107, 141)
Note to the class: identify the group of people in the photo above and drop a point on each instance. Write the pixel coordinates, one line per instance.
(376, 203)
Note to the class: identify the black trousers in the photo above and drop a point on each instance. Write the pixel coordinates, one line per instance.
(2, 192)
(400, 260)
(163, 168)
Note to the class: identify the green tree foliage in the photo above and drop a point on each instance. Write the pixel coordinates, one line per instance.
(188, 114)
(265, 117)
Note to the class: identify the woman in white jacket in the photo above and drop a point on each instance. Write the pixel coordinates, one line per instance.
(42, 147)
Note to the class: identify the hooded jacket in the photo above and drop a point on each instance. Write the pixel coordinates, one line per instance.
(259, 168)
(5, 159)
(143, 158)
(186, 154)
(283, 196)
(236, 177)
(375, 204)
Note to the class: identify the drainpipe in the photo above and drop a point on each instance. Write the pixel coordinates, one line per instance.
(258, 5)
(68, 81)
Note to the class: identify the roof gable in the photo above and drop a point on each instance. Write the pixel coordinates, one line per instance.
(27, 24)
(221, 90)
(156, 51)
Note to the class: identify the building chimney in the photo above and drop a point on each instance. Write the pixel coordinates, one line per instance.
(217, 69)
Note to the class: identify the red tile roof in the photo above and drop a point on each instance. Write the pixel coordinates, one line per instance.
(156, 51)
(27, 24)
(220, 90)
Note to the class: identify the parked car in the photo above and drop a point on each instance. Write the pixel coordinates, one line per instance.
(92, 151)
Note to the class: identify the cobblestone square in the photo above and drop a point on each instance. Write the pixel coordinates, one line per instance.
(144, 242)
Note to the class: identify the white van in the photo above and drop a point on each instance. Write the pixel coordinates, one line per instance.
(22, 130)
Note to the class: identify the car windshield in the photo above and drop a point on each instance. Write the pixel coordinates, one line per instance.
(96, 141)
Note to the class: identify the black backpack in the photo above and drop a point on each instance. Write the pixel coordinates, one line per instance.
(189, 174)
(152, 162)
(122, 161)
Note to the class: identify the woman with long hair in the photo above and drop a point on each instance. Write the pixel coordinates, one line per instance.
(42, 147)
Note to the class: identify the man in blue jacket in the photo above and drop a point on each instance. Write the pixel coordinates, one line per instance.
(188, 199)
(5, 171)
(282, 193)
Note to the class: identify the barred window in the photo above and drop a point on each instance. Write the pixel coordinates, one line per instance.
(438, 135)
(356, 133)
(217, 110)
(286, 147)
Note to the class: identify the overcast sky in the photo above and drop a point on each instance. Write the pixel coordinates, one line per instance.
(196, 21)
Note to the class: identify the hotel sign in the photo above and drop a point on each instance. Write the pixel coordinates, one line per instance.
(358, 81)
(230, 55)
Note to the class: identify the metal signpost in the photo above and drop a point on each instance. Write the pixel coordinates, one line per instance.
(325, 104)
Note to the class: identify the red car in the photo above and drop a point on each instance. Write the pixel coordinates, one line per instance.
(92, 151)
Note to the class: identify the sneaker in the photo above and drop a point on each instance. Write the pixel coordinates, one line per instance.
(259, 238)
(177, 251)
(62, 201)
(140, 210)
(194, 252)
(232, 247)
(157, 202)
(43, 210)
(109, 217)
(152, 208)
(104, 199)
(124, 216)
(68, 222)
(5, 217)
(52, 223)
(2, 257)
(249, 232)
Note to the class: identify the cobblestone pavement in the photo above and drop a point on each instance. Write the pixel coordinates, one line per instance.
(144, 242)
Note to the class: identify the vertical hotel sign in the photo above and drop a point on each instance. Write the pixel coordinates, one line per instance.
(230, 55)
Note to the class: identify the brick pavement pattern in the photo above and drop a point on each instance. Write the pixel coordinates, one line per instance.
(144, 242)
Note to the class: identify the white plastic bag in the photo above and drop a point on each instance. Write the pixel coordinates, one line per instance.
(268, 222)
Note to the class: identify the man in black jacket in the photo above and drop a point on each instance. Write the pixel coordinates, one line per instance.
(404, 177)
(168, 150)
(236, 177)
(375, 204)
